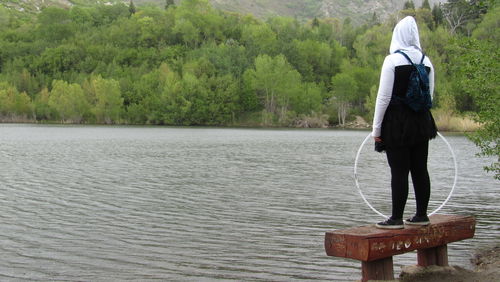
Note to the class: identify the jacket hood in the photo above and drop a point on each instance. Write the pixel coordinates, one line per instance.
(405, 36)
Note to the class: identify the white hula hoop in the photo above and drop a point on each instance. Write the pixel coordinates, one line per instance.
(381, 214)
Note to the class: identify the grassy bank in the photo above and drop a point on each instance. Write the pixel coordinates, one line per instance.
(446, 120)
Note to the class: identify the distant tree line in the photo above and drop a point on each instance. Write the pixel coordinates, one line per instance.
(192, 65)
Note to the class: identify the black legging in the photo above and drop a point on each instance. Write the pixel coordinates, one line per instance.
(402, 161)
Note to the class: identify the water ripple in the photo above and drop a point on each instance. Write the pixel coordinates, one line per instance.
(120, 203)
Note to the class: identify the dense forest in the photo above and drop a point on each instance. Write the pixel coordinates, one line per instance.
(190, 64)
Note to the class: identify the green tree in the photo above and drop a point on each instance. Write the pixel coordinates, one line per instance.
(372, 46)
(69, 101)
(189, 34)
(365, 78)
(348, 35)
(55, 25)
(106, 14)
(425, 16)
(259, 39)
(308, 100)
(226, 58)
(200, 14)
(42, 109)
(344, 92)
(313, 60)
(286, 30)
(370, 103)
(409, 5)
(477, 75)
(274, 81)
(4, 18)
(59, 60)
(315, 22)
(14, 105)
(149, 32)
(81, 17)
(374, 19)
(174, 105)
(26, 82)
(489, 28)
(169, 3)
(437, 14)
(131, 7)
(426, 5)
(108, 100)
(462, 15)
(222, 99)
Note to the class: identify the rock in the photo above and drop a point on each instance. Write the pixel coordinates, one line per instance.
(357, 123)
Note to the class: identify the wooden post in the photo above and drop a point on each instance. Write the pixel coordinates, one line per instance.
(433, 256)
(380, 269)
(442, 255)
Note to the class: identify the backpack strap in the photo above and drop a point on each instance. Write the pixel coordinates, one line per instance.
(423, 57)
(408, 58)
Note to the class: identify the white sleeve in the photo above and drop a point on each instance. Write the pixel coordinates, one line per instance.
(431, 80)
(383, 96)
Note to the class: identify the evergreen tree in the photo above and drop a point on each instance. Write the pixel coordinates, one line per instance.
(426, 5)
(315, 22)
(131, 7)
(437, 14)
(169, 3)
(409, 5)
(374, 20)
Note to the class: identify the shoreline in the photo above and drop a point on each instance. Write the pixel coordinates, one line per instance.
(235, 126)
(358, 123)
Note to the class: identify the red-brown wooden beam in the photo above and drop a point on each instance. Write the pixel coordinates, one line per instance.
(368, 243)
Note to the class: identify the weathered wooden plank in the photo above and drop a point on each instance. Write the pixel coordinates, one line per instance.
(368, 243)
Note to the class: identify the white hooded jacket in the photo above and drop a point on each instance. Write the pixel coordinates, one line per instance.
(405, 38)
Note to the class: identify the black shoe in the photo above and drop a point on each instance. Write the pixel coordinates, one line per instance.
(418, 220)
(391, 224)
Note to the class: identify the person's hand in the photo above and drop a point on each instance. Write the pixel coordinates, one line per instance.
(379, 145)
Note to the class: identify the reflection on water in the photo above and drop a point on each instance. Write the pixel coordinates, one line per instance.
(113, 203)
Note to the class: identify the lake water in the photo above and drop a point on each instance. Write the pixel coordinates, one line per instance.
(107, 203)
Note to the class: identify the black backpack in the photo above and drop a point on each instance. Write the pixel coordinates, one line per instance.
(418, 96)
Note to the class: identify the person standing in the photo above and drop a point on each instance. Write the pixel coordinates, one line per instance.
(404, 133)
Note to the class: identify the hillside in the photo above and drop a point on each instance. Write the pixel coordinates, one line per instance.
(37, 5)
(357, 10)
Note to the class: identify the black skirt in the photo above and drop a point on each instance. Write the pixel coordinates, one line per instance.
(403, 127)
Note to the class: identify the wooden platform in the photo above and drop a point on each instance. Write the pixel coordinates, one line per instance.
(375, 247)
